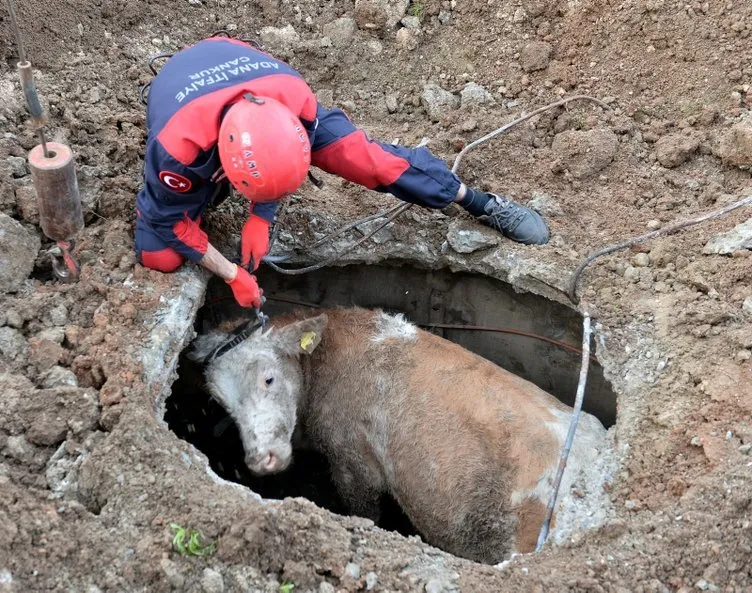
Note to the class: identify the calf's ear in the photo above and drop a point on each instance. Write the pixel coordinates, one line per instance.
(301, 337)
(204, 345)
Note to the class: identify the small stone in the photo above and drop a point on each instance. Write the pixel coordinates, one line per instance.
(654, 225)
(438, 101)
(632, 274)
(195, 2)
(94, 95)
(585, 153)
(444, 17)
(743, 355)
(59, 376)
(474, 94)
(173, 573)
(280, 37)
(438, 586)
(17, 166)
(212, 582)
(641, 260)
(702, 585)
(696, 442)
(735, 146)
(746, 306)
(18, 251)
(352, 570)
(469, 125)
(372, 578)
(59, 315)
(379, 14)
(325, 587)
(745, 449)
(464, 238)
(341, 31)
(411, 22)
(672, 150)
(20, 449)
(740, 237)
(545, 204)
(12, 344)
(53, 334)
(392, 104)
(407, 39)
(536, 56)
(735, 75)
(26, 200)
(13, 319)
(630, 505)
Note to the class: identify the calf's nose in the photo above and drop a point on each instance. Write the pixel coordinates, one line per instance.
(265, 462)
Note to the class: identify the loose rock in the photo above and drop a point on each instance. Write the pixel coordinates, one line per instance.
(212, 582)
(674, 149)
(18, 250)
(379, 14)
(341, 31)
(747, 306)
(474, 94)
(17, 166)
(536, 56)
(276, 37)
(465, 238)
(735, 146)
(545, 204)
(408, 39)
(411, 22)
(392, 104)
(641, 260)
(352, 570)
(371, 580)
(740, 237)
(438, 101)
(585, 153)
(26, 201)
(13, 345)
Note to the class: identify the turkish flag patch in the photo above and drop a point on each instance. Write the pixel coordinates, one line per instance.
(175, 181)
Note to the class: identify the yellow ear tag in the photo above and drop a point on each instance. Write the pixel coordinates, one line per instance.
(306, 340)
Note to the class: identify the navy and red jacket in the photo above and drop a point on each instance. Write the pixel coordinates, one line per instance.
(187, 100)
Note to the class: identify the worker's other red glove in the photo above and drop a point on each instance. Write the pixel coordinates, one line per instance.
(246, 289)
(254, 242)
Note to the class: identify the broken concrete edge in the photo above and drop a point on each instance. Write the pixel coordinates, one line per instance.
(172, 333)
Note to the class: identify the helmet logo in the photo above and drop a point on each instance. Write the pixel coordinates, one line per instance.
(175, 181)
(245, 139)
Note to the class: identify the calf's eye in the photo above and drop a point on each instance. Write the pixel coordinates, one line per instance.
(270, 380)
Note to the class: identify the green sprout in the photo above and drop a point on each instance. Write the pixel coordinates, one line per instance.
(193, 546)
(416, 9)
(286, 587)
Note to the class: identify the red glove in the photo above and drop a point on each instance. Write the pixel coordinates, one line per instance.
(246, 289)
(254, 241)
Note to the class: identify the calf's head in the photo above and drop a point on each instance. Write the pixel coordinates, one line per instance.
(259, 383)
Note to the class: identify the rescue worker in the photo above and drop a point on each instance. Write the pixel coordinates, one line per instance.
(223, 111)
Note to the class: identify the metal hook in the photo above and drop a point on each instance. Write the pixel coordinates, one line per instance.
(69, 269)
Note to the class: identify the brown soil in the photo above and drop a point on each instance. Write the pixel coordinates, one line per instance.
(675, 338)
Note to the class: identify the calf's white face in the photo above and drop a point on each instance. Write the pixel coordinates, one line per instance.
(259, 384)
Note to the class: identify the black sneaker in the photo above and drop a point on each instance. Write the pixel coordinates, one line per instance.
(514, 221)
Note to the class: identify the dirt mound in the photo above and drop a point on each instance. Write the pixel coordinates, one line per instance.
(90, 477)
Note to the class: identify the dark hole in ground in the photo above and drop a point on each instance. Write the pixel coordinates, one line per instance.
(425, 297)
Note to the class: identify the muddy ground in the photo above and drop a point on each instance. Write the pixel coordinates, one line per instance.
(91, 478)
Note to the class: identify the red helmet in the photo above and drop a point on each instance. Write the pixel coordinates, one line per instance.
(263, 148)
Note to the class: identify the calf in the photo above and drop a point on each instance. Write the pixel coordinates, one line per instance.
(467, 449)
